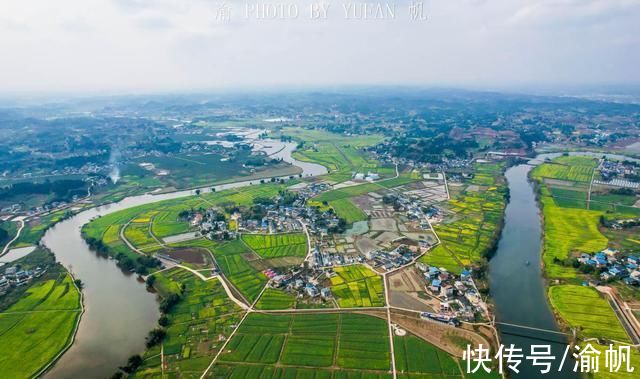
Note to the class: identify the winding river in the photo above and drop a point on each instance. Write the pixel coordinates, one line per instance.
(119, 312)
(518, 288)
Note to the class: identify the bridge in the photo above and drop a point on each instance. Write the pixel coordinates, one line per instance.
(545, 335)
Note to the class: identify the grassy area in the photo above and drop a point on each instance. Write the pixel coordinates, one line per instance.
(357, 286)
(243, 276)
(36, 227)
(337, 341)
(347, 210)
(35, 329)
(195, 324)
(277, 245)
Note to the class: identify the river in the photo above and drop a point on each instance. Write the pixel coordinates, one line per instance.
(119, 311)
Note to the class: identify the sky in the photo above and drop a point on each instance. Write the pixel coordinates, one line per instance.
(118, 46)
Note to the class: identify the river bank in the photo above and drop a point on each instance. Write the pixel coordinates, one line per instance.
(119, 311)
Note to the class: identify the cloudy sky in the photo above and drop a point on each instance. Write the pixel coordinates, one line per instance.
(160, 45)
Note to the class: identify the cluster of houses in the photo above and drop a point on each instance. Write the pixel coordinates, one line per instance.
(613, 266)
(457, 294)
(389, 260)
(302, 283)
(15, 277)
(277, 220)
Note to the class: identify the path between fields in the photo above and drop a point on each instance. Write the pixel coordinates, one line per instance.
(14, 239)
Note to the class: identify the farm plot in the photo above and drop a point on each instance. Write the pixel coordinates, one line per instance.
(331, 341)
(571, 168)
(36, 328)
(583, 308)
(138, 235)
(275, 299)
(415, 356)
(245, 278)
(195, 325)
(346, 209)
(277, 245)
(357, 286)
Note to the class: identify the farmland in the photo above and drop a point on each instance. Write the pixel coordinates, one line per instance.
(195, 324)
(415, 356)
(571, 168)
(331, 341)
(345, 209)
(236, 268)
(582, 307)
(357, 286)
(473, 229)
(277, 245)
(47, 314)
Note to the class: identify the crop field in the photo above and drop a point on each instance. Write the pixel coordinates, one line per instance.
(582, 307)
(415, 356)
(344, 208)
(338, 153)
(568, 230)
(138, 235)
(36, 328)
(476, 221)
(343, 341)
(275, 299)
(571, 168)
(196, 322)
(277, 245)
(245, 278)
(357, 286)
(441, 257)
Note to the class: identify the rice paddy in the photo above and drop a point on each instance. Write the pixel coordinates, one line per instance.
(243, 276)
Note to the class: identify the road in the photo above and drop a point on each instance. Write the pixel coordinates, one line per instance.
(14, 239)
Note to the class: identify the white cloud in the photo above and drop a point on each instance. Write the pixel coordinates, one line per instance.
(178, 44)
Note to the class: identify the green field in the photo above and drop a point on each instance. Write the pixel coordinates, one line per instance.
(474, 228)
(195, 325)
(38, 327)
(336, 341)
(236, 268)
(415, 356)
(583, 308)
(275, 299)
(344, 208)
(357, 286)
(277, 245)
(571, 168)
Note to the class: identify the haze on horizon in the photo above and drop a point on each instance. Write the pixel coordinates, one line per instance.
(165, 45)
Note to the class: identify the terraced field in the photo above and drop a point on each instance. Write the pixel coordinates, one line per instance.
(47, 315)
(277, 245)
(195, 324)
(357, 286)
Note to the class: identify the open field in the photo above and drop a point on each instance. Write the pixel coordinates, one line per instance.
(572, 168)
(275, 299)
(277, 245)
(335, 341)
(582, 307)
(245, 278)
(36, 328)
(345, 209)
(357, 286)
(196, 322)
(415, 356)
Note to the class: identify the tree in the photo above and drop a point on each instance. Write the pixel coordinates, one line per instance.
(198, 192)
(155, 337)
(132, 364)
(150, 281)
